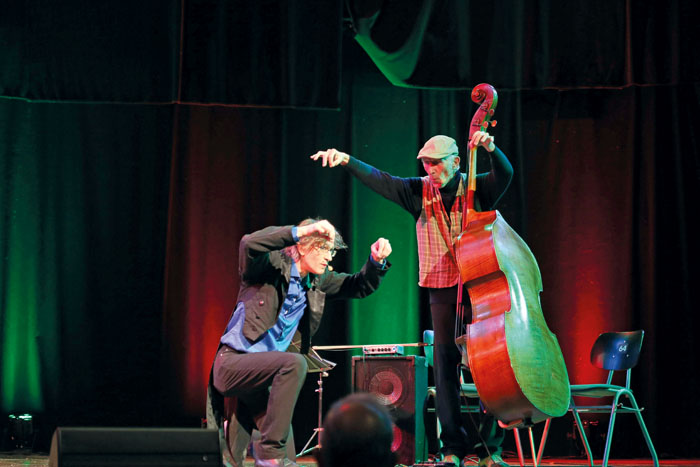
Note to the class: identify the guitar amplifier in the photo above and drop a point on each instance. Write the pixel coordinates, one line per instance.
(401, 384)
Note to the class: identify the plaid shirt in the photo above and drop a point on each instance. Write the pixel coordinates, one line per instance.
(436, 234)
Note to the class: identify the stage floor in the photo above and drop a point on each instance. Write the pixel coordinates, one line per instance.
(17, 459)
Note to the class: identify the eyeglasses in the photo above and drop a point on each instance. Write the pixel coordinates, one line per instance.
(325, 248)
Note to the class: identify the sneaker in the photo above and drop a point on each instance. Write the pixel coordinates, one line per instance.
(451, 459)
(275, 463)
(494, 460)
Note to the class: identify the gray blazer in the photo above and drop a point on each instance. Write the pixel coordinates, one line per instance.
(265, 270)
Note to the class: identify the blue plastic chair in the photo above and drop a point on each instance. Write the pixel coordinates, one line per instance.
(612, 351)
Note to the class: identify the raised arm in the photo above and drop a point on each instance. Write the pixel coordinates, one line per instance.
(254, 247)
(362, 283)
(406, 192)
(491, 185)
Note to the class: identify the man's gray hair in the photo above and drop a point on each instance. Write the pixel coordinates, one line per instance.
(315, 239)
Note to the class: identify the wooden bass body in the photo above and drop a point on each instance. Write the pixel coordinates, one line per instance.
(515, 360)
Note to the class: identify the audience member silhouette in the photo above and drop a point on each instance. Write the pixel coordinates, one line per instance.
(357, 432)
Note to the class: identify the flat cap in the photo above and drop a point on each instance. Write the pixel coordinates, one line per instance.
(438, 147)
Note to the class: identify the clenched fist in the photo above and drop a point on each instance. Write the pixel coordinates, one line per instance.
(381, 249)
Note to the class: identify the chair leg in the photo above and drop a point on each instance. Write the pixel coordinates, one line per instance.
(519, 447)
(611, 425)
(645, 432)
(532, 446)
(536, 457)
(579, 425)
(543, 440)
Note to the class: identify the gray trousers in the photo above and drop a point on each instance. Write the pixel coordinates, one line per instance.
(266, 386)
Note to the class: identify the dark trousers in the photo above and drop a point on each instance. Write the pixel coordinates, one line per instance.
(447, 358)
(266, 386)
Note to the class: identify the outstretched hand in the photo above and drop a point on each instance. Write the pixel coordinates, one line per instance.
(380, 250)
(482, 138)
(331, 157)
(322, 227)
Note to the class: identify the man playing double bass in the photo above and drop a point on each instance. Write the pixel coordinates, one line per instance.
(436, 201)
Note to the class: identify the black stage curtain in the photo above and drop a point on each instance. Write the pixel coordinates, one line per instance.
(262, 53)
(84, 209)
(457, 44)
(233, 52)
(90, 51)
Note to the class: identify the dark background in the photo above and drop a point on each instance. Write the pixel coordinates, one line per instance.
(140, 140)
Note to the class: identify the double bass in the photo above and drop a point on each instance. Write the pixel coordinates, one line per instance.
(515, 360)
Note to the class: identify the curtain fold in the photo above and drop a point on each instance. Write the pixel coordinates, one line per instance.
(233, 52)
(83, 221)
(533, 45)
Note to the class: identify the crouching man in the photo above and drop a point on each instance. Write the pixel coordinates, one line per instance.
(286, 280)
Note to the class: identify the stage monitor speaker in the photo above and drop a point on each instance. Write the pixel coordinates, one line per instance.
(129, 447)
(400, 383)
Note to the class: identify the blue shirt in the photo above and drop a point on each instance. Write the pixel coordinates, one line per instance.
(279, 336)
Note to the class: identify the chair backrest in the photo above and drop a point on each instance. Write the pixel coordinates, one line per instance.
(428, 338)
(617, 350)
(428, 350)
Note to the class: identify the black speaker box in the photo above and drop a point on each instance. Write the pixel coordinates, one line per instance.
(134, 447)
(400, 383)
